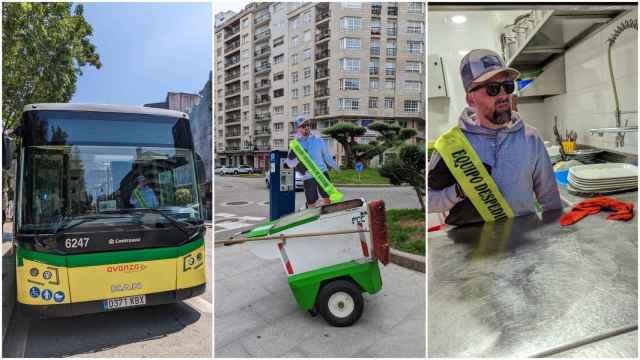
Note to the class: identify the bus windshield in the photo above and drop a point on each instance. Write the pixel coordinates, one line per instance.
(81, 167)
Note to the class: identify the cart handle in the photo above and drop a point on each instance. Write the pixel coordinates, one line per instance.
(292, 236)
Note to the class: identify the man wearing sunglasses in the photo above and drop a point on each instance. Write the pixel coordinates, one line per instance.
(491, 166)
(317, 150)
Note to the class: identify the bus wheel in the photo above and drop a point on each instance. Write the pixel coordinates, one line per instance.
(340, 303)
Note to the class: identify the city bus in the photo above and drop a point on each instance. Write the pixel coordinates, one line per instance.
(86, 240)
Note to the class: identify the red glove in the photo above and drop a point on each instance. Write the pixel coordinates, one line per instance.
(623, 211)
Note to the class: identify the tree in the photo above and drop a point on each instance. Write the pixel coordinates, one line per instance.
(391, 135)
(408, 168)
(345, 134)
(44, 47)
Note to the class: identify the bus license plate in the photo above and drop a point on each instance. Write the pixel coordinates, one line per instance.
(124, 302)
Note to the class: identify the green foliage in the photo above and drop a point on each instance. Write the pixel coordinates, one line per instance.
(183, 197)
(44, 47)
(350, 176)
(408, 167)
(345, 134)
(391, 135)
(406, 230)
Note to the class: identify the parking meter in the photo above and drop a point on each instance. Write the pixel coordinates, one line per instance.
(282, 192)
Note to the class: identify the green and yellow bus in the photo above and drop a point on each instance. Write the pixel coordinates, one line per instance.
(84, 244)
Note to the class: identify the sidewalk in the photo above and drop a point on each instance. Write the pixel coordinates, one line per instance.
(8, 277)
(257, 316)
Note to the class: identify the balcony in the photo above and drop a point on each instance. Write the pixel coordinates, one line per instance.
(262, 19)
(262, 132)
(232, 120)
(322, 92)
(232, 62)
(374, 71)
(263, 68)
(322, 54)
(233, 148)
(232, 92)
(392, 11)
(323, 35)
(228, 106)
(232, 76)
(232, 134)
(321, 110)
(263, 51)
(262, 100)
(263, 147)
(231, 47)
(263, 117)
(374, 51)
(393, 32)
(322, 73)
(263, 85)
(233, 31)
(265, 35)
(389, 72)
(392, 52)
(323, 15)
(375, 30)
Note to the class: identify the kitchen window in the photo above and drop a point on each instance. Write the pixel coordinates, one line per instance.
(351, 23)
(414, 66)
(351, 43)
(350, 65)
(411, 106)
(348, 104)
(388, 103)
(349, 84)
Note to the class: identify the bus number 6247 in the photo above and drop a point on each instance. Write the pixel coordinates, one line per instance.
(76, 243)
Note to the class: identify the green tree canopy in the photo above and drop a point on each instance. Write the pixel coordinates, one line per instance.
(44, 47)
(408, 168)
(345, 134)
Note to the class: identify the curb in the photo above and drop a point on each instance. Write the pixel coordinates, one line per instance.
(407, 260)
(8, 288)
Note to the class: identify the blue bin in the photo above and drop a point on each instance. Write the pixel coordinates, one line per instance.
(561, 177)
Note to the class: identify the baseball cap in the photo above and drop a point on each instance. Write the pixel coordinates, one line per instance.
(300, 120)
(480, 65)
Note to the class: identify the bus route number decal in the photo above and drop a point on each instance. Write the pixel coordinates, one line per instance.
(74, 243)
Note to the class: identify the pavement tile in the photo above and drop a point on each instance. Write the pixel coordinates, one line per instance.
(275, 306)
(234, 326)
(232, 350)
(340, 342)
(236, 293)
(407, 339)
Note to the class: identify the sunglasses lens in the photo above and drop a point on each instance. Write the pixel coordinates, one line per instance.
(509, 87)
(493, 89)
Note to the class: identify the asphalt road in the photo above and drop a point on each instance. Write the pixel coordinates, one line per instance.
(243, 202)
(176, 330)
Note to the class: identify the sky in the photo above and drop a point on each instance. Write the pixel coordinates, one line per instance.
(146, 50)
(233, 5)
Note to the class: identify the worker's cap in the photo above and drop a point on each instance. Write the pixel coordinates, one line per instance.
(140, 178)
(300, 120)
(480, 65)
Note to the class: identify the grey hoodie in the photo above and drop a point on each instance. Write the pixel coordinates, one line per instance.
(520, 166)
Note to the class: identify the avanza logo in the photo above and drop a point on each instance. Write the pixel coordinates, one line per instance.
(126, 268)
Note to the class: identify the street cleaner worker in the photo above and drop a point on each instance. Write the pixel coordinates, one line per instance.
(142, 196)
(317, 150)
(491, 166)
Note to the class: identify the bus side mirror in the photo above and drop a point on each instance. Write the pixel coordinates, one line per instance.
(7, 152)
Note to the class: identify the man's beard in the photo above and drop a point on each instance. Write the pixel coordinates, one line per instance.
(500, 117)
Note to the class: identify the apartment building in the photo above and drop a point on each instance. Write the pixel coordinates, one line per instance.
(330, 62)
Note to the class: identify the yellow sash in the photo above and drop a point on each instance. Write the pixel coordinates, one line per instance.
(473, 177)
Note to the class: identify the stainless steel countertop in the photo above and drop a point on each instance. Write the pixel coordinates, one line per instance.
(527, 286)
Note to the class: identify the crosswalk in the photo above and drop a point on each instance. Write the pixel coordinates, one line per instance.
(227, 221)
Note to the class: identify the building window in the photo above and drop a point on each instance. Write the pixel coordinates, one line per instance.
(348, 104)
(294, 111)
(388, 103)
(294, 93)
(351, 43)
(278, 59)
(278, 41)
(390, 69)
(415, 8)
(245, 100)
(415, 27)
(294, 23)
(350, 65)
(413, 85)
(245, 85)
(306, 90)
(307, 72)
(278, 109)
(351, 23)
(374, 83)
(374, 66)
(307, 54)
(389, 84)
(414, 66)
(294, 41)
(277, 7)
(245, 39)
(374, 48)
(391, 48)
(373, 103)
(245, 69)
(352, 5)
(411, 106)
(278, 143)
(375, 26)
(278, 76)
(414, 46)
(245, 22)
(306, 109)
(220, 79)
(307, 36)
(294, 77)
(278, 93)
(349, 84)
(245, 53)
(294, 59)
(392, 28)
(278, 126)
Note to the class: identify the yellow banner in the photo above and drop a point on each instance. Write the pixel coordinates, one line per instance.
(473, 177)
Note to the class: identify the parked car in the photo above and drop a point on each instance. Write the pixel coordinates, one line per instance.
(224, 170)
(298, 181)
(235, 170)
(245, 169)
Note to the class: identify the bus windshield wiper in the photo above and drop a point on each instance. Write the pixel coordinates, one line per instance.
(171, 219)
(64, 226)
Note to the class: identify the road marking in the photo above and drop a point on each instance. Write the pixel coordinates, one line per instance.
(200, 304)
(224, 215)
(232, 225)
(252, 218)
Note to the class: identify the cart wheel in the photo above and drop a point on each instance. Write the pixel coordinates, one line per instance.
(340, 303)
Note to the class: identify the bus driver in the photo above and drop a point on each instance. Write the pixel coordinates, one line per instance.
(142, 196)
